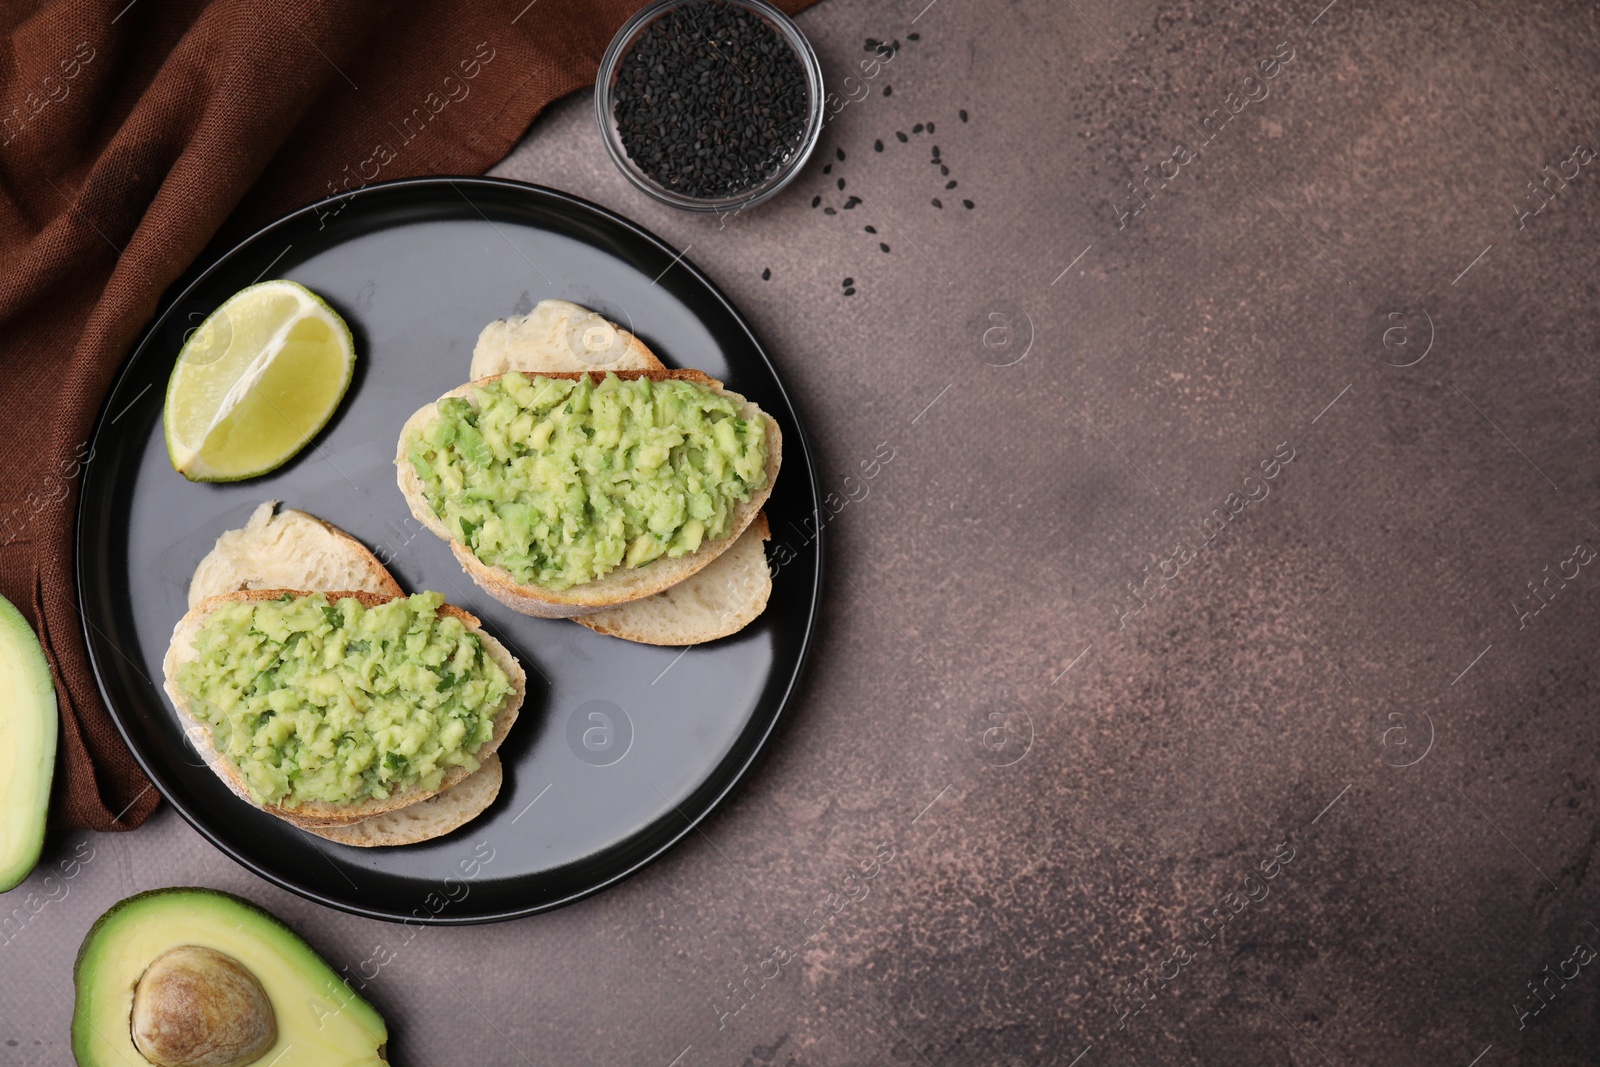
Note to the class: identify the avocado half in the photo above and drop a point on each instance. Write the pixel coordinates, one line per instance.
(29, 724)
(320, 1021)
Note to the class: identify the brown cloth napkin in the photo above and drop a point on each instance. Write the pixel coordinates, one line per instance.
(132, 133)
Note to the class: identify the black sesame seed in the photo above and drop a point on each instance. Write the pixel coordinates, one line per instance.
(883, 246)
(967, 204)
(852, 202)
(815, 200)
(913, 36)
(935, 151)
(963, 114)
(841, 183)
(936, 202)
(870, 229)
(840, 153)
(829, 211)
(951, 184)
(917, 128)
(827, 168)
(848, 282)
(944, 171)
(930, 127)
(709, 102)
(849, 292)
(872, 44)
(766, 275)
(877, 146)
(903, 137)
(888, 90)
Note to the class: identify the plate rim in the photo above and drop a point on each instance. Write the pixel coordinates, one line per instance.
(174, 296)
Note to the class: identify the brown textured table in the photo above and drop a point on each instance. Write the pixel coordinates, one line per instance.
(1191, 583)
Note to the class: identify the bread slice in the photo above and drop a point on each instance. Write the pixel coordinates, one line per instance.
(720, 600)
(289, 550)
(622, 584)
(426, 819)
(558, 335)
(317, 813)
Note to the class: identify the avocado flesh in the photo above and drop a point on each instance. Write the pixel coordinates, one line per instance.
(321, 1021)
(28, 728)
(561, 481)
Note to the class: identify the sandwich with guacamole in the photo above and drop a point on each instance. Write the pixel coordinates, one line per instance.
(578, 477)
(359, 714)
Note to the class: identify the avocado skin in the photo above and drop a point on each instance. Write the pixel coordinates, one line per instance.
(36, 695)
(270, 935)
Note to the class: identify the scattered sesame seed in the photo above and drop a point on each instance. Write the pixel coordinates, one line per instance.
(829, 211)
(967, 204)
(815, 200)
(870, 229)
(877, 146)
(951, 184)
(841, 183)
(827, 168)
(766, 275)
(937, 203)
(883, 246)
(840, 153)
(917, 128)
(903, 138)
(849, 292)
(888, 89)
(913, 36)
(848, 282)
(963, 114)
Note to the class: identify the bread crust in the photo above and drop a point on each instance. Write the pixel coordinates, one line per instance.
(319, 813)
(621, 585)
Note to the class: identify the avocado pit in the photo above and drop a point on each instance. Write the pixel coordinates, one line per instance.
(196, 1007)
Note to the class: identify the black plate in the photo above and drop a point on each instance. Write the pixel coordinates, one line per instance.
(416, 268)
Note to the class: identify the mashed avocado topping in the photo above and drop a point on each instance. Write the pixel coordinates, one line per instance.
(340, 702)
(560, 481)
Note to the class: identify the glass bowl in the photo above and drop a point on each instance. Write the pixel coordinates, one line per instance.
(785, 167)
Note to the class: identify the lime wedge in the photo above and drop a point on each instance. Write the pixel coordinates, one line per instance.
(255, 382)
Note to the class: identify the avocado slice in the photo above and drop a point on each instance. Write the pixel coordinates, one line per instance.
(28, 728)
(278, 1002)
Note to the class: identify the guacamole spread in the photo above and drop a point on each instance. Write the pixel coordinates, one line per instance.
(560, 481)
(338, 702)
